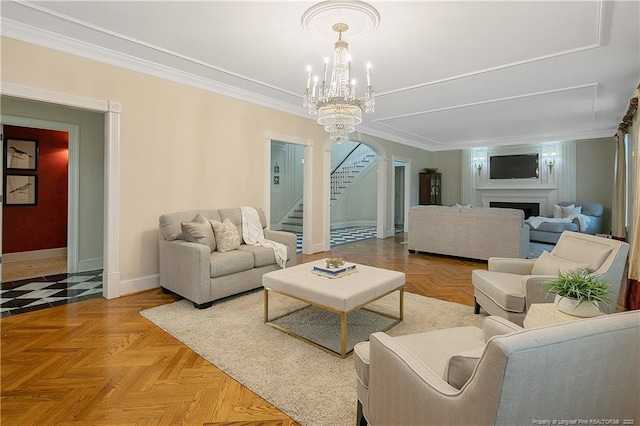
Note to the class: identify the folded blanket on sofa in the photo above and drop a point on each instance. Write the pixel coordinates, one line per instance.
(583, 220)
(253, 234)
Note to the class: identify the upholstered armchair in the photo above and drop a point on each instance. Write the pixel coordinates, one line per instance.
(510, 286)
(583, 370)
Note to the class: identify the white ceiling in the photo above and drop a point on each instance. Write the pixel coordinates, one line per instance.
(447, 74)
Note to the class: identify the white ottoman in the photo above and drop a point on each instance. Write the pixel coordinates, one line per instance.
(340, 295)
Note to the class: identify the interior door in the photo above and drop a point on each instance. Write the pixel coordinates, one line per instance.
(399, 196)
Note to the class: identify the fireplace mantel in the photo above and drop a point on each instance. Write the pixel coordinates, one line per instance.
(538, 194)
(547, 188)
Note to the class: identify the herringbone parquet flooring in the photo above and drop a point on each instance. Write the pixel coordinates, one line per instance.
(100, 362)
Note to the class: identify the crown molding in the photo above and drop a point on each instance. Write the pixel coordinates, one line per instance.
(40, 37)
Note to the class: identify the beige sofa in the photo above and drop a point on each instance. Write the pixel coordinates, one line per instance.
(475, 233)
(201, 273)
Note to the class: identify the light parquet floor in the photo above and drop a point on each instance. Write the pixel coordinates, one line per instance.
(100, 362)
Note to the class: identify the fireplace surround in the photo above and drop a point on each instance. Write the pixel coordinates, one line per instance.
(529, 209)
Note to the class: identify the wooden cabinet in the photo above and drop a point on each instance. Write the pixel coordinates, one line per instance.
(429, 188)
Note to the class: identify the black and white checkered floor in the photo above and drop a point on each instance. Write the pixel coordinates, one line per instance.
(350, 234)
(28, 295)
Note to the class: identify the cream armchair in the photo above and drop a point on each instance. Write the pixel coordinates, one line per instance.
(580, 370)
(510, 286)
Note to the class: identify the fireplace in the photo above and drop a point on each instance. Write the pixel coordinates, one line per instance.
(529, 209)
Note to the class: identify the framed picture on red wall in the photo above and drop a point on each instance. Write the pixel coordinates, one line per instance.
(21, 154)
(20, 190)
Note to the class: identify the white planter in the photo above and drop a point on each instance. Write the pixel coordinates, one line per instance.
(570, 307)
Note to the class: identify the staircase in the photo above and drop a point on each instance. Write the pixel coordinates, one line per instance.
(348, 170)
(293, 221)
(342, 176)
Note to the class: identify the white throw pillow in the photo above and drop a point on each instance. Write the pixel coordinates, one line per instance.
(566, 211)
(199, 231)
(548, 264)
(227, 237)
(557, 211)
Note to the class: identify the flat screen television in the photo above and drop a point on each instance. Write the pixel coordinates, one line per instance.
(519, 166)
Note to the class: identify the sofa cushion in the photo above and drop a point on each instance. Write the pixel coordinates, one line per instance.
(576, 250)
(199, 231)
(566, 211)
(226, 234)
(557, 227)
(548, 264)
(230, 262)
(503, 288)
(450, 353)
(262, 256)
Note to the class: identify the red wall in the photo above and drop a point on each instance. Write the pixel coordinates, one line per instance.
(44, 226)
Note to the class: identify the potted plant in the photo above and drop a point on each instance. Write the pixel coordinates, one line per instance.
(578, 293)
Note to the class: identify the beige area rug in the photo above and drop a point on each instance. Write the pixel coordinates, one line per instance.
(308, 384)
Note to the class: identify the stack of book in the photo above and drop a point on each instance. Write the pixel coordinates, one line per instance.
(346, 269)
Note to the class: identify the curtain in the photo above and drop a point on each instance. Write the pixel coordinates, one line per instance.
(632, 296)
(619, 213)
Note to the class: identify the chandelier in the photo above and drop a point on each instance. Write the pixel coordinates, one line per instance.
(334, 101)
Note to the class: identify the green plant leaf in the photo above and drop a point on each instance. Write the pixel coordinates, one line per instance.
(579, 285)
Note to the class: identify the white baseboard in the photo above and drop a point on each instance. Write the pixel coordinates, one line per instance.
(137, 285)
(35, 255)
(89, 265)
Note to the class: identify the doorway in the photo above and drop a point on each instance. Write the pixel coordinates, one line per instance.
(288, 184)
(287, 189)
(35, 237)
(402, 193)
(109, 111)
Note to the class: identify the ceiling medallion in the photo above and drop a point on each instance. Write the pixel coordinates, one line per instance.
(361, 18)
(333, 99)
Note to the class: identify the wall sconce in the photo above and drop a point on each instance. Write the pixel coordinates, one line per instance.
(549, 160)
(478, 164)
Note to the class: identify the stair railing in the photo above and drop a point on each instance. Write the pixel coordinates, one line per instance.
(346, 171)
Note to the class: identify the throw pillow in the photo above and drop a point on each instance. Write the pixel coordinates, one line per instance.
(199, 231)
(460, 367)
(227, 237)
(557, 211)
(566, 211)
(548, 264)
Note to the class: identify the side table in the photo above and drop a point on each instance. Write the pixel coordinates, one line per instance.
(542, 314)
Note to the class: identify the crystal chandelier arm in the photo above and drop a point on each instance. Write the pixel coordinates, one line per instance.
(336, 105)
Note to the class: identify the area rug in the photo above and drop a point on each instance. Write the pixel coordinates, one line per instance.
(308, 384)
(536, 249)
(323, 327)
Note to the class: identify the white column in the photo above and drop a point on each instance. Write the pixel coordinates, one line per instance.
(111, 268)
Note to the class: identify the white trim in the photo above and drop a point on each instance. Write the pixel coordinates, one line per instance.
(111, 271)
(326, 196)
(89, 265)
(407, 190)
(40, 37)
(111, 275)
(73, 203)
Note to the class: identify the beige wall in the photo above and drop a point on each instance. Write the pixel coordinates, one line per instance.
(181, 147)
(449, 164)
(595, 159)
